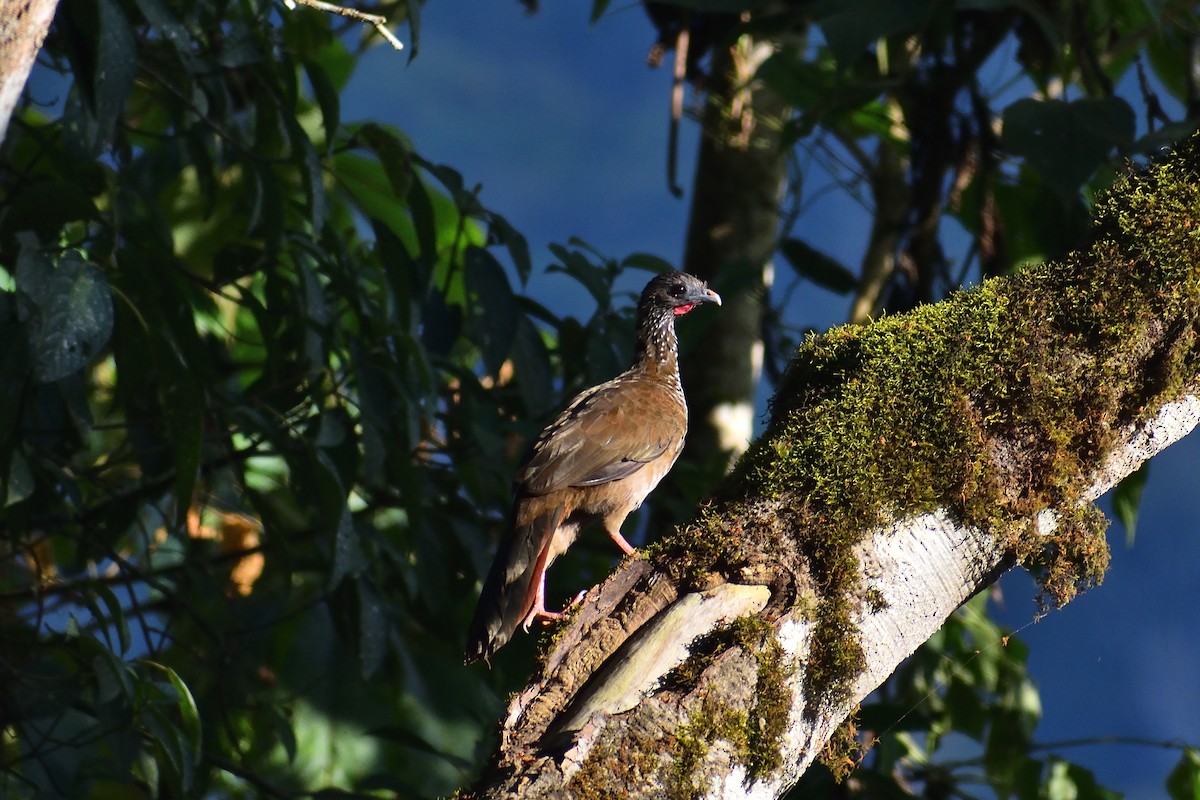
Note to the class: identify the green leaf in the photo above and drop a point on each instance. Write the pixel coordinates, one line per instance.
(115, 617)
(189, 713)
(312, 174)
(395, 157)
(592, 277)
(718, 6)
(823, 270)
(1126, 498)
(171, 749)
(514, 240)
(285, 733)
(69, 310)
(373, 629)
(1183, 783)
(1006, 747)
(183, 404)
(647, 262)
(535, 376)
(423, 219)
(116, 66)
(348, 555)
(1067, 781)
(337, 62)
(850, 26)
(374, 194)
(414, 29)
(113, 677)
(598, 9)
(494, 307)
(1066, 142)
(267, 213)
(169, 27)
(18, 483)
(327, 99)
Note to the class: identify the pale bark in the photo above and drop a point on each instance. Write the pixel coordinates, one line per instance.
(23, 28)
(1114, 329)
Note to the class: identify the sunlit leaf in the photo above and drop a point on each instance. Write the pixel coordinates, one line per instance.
(1184, 781)
(395, 157)
(1127, 497)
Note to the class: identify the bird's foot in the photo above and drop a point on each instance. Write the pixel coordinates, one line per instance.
(547, 617)
(540, 615)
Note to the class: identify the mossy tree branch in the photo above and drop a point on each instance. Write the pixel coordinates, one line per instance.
(907, 464)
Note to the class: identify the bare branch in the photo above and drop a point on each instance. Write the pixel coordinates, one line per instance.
(379, 21)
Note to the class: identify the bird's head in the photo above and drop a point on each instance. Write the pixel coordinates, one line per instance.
(677, 292)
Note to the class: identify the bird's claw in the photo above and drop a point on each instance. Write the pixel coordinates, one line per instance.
(550, 617)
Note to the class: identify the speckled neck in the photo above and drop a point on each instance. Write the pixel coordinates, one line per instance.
(657, 346)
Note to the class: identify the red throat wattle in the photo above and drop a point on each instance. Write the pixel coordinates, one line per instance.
(681, 310)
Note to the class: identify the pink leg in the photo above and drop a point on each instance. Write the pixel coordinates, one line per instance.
(539, 612)
(626, 548)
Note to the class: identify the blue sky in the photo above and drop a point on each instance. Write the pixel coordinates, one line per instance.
(565, 128)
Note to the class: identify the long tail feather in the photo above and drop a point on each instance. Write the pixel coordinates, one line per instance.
(511, 585)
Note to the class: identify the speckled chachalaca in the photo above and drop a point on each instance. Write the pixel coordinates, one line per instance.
(597, 461)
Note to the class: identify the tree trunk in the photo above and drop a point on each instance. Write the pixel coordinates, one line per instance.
(907, 464)
(733, 231)
(23, 27)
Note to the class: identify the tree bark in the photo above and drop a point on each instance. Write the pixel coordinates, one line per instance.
(908, 463)
(23, 28)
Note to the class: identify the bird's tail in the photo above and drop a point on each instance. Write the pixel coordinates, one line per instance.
(511, 586)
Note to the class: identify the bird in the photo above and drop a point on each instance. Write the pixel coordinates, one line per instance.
(598, 460)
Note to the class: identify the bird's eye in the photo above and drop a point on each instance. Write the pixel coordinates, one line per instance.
(678, 289)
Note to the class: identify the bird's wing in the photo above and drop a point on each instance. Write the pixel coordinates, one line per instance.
(607, 433)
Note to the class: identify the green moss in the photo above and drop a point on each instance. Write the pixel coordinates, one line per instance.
(843, 752)
(772, 709)
(692, 741)
(990, 405)
(698, 550)
(608, 771)
(756, 733)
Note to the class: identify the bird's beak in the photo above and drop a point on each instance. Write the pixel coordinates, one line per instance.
(708, 296)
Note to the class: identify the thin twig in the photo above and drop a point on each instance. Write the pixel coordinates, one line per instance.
(379, 21)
